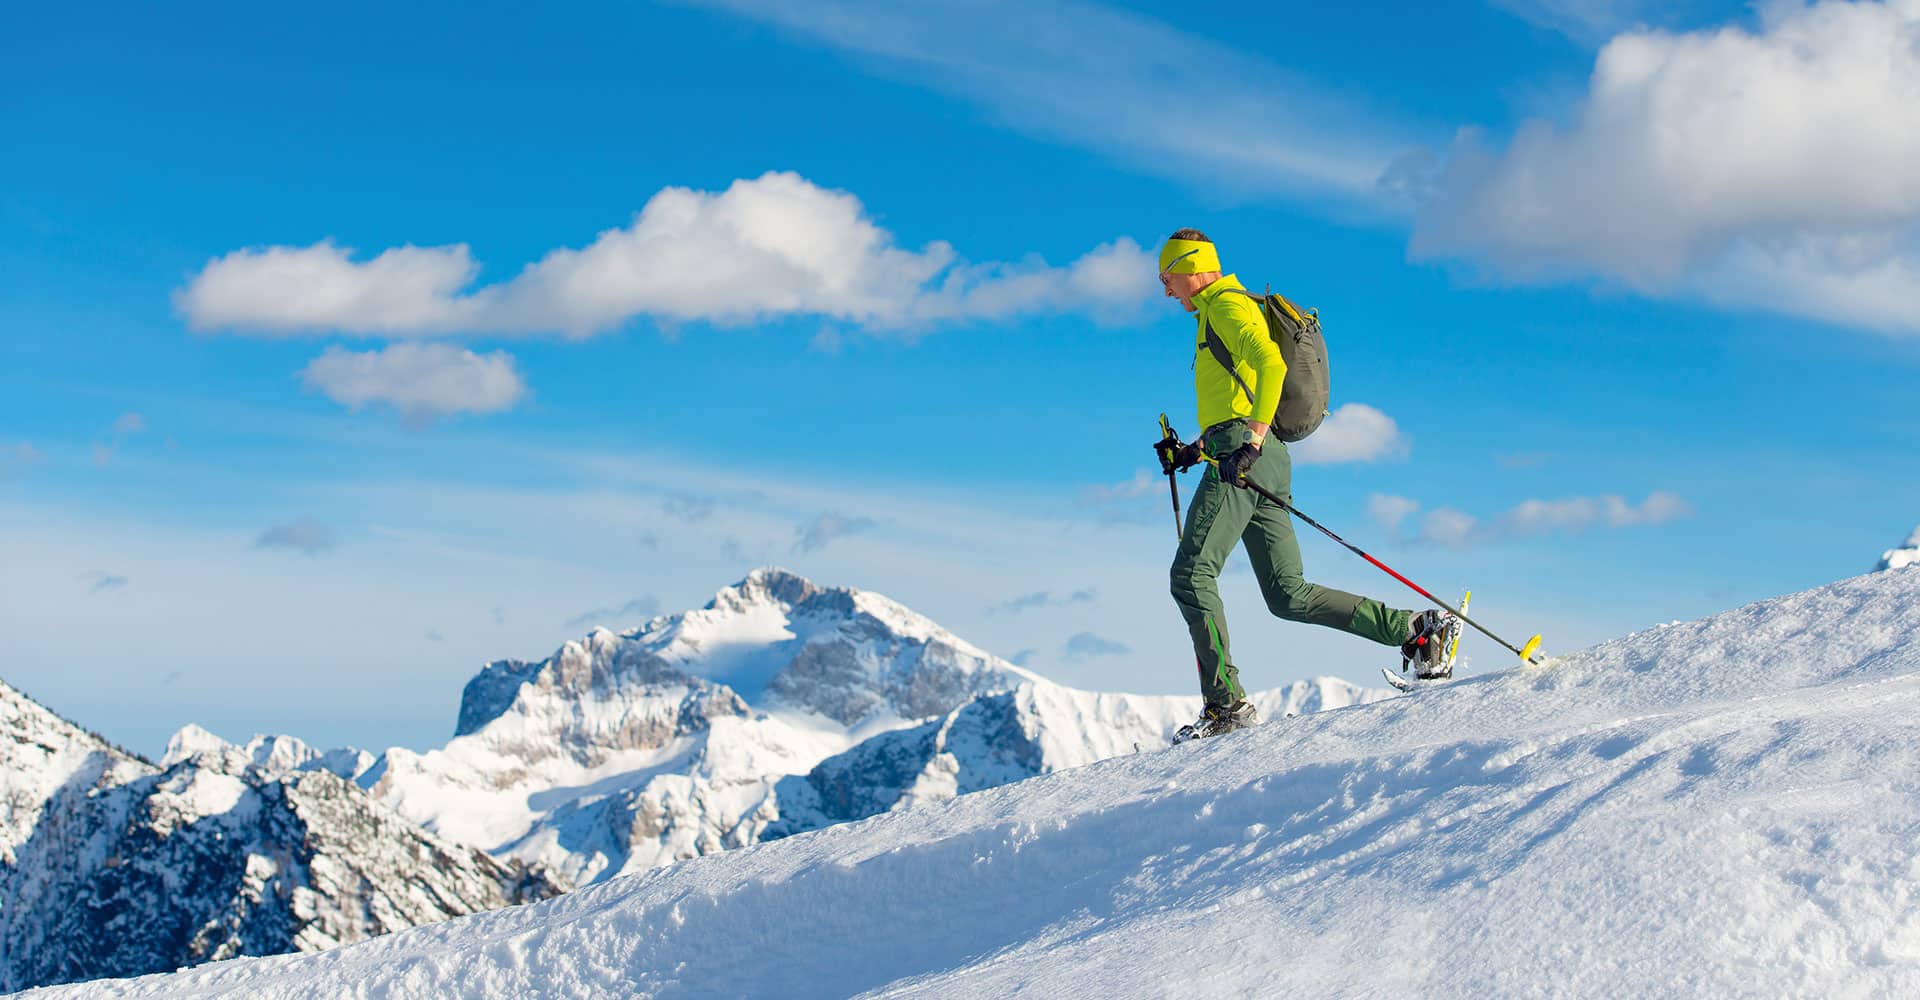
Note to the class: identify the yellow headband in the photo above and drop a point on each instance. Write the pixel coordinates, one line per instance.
(1188, 257)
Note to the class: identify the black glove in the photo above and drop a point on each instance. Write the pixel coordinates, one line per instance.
(1176, 456)
(1239, 462)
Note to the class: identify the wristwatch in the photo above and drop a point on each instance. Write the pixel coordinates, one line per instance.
(1247, 438)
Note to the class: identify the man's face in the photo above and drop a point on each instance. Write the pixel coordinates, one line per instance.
(1183, 287)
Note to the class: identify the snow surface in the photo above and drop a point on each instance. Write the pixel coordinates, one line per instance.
(624, 752)
(1716, 808)
(40, 755)
(109, 865)
(1904, 556)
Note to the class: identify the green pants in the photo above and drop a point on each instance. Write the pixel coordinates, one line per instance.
(1222, 515)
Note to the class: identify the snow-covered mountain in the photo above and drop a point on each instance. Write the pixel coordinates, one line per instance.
(114, 866)
(1904, 556)
(996, 739)
(42, 754)
(1723, 807)
(740, 721)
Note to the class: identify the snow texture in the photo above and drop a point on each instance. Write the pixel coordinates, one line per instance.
(621, 753)
(1904, 556)
(113, 866)
(1723, 807)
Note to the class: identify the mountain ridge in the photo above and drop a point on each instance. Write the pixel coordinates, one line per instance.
(625, 751)
(1639, 818)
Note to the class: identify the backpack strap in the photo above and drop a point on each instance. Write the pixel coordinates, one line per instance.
(1218, 347)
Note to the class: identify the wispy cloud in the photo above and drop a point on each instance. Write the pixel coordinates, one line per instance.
(1131, 87)
(1086, 644)
(1142, 483)
(826, 528)
(642, 607)
(1773, 168)
(100, 581)
(422, 382)
(1456, 528)
(1593, 22)
(1524, 459)
(1043, 599)
(304, 535)
(125, 426)
(774, 246)
(687, 507)
(19, 458)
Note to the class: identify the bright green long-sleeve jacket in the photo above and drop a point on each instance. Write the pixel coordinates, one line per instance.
(1238, 323)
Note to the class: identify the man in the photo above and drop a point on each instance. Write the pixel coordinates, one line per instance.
(1224, 511)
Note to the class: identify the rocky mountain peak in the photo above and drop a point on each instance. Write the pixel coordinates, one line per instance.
(768, 585)
(1904, 556)
(594, 668)
(268, 754)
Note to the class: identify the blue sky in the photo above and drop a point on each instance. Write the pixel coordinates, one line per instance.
(344, 350)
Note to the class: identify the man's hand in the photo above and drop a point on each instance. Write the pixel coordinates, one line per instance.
(1239, 462)
(1175, 456)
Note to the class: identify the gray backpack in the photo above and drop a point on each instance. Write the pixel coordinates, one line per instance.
(1305, 393)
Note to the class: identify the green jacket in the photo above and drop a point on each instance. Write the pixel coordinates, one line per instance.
(1238, 322)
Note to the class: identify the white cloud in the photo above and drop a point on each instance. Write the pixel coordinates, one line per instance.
(281, 289)
(421, 381)
(1581, 513)
(774, 246)
(1166, 101)
(1777, 168)
(1447, 526)
(1142, 483)
(129, 424)
(1390, 512)
(1355, 432)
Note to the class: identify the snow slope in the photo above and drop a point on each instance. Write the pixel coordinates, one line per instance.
(1723, 807)
(1904, 556)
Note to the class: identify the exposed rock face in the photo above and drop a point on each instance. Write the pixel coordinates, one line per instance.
(624, 752)
(128, 868)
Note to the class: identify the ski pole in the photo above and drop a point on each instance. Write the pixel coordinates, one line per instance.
(1527, 652)
(1173, 485)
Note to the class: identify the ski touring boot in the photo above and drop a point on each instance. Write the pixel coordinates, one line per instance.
(1428, 654)
(1218, 720)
